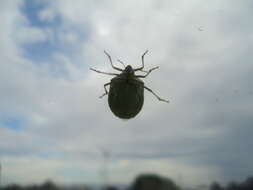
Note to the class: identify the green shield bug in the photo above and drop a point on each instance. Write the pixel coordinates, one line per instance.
(126, 93)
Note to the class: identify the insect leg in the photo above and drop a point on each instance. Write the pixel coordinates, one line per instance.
(147, 72)
(103, 72)
(106, 92)
(142, 60)
(160, 99)
(110, 59)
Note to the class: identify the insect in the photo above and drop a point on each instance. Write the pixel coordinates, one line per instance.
(126, 93)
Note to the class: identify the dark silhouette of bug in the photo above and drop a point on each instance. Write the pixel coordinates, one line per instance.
(126, 93)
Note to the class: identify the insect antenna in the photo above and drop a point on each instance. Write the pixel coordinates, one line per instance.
(122, 63)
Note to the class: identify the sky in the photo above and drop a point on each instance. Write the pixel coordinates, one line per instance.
(54, 126)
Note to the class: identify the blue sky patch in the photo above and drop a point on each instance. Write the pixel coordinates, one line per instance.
(39, 51)
(43, 51)
(12, 123)
(31, 10)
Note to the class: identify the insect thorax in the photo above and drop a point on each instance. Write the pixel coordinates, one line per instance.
(128, 71)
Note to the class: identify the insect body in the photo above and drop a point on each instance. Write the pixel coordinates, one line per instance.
(126, 93)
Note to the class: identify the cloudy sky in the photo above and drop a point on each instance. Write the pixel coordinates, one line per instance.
(54, 126)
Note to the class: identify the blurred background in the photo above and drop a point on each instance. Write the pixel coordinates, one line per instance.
(54, 127)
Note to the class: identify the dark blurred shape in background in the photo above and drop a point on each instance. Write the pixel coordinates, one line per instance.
(110, 188)
(153, 182)
(142, 182)
(246, 185)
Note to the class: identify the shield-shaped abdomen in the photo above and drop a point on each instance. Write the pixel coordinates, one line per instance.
(126, 97)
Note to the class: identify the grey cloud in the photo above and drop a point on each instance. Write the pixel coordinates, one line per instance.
(205, 74)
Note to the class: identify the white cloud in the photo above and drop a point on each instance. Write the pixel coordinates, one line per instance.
(47, 14)
(32, 34)
(69, 38)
